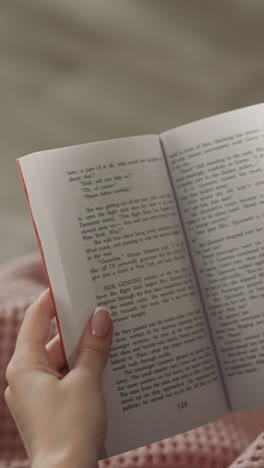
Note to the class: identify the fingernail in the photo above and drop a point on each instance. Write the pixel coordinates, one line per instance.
(101, 323)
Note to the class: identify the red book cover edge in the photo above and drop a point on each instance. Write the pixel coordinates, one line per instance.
(43, 261)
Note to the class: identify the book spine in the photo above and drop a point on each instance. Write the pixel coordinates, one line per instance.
(196, 277)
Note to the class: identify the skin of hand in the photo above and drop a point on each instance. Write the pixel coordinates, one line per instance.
(61, 418)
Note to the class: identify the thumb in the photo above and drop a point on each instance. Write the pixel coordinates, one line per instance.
(95, 343)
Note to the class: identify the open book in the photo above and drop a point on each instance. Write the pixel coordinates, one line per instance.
(167, 232)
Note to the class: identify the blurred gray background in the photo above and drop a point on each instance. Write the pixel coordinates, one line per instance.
(73, 71)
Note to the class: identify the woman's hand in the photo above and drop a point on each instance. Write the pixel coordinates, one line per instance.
(61, 418)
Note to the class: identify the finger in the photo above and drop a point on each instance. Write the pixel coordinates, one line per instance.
(55, 353)
(95, 344)
(36, 324)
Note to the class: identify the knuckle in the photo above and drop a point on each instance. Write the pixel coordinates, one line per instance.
(93, 351)
(28, 311)
(7, 396)
(11, 372)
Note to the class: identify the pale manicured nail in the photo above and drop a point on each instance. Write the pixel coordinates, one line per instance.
(101, 323)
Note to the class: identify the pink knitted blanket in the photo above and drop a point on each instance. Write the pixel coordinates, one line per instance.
(235, 441)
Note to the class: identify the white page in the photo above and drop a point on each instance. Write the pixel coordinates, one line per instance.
(68, 293)
(162, 377)
(217, 166)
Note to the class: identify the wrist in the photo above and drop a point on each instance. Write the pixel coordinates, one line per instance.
(65, 464)
(53, 460)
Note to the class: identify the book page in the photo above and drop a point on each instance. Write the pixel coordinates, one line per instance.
(217, 167)
(112, 205)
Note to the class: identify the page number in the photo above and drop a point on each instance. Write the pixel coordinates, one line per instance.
(182, 404)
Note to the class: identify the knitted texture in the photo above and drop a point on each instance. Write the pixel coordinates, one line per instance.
(234, 441)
